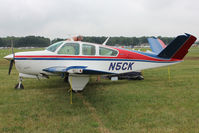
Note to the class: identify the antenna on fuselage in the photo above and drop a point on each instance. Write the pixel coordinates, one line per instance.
(104, 43)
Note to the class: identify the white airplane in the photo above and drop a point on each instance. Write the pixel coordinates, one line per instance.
(78, 60)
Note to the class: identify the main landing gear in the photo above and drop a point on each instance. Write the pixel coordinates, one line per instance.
(19, 86)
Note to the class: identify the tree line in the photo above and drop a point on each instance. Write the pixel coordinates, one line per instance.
(28, 41)
(38, 41)
(122, 41)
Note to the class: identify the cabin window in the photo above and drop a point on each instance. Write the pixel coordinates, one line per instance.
(54, 46)
(69, 49)
(88, 49)
(107, 52)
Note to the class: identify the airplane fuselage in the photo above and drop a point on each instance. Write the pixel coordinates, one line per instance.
(124, 61)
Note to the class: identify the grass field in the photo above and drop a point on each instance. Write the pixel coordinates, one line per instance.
(154, 104)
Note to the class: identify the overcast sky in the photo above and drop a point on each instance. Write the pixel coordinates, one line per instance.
(60, 18)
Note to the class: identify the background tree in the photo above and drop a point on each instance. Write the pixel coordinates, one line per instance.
(28, 41)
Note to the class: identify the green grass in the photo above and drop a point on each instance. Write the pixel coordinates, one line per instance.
(154, 104)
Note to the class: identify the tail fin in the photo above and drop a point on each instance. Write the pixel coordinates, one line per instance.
(156, 45)
(178, 48)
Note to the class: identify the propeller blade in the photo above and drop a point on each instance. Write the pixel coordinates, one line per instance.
(11, 65)
(13, 60)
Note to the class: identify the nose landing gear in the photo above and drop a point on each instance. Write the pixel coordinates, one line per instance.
(19, 86)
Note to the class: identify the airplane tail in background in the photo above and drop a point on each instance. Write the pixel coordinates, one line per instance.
(178, 48)
(156, 45)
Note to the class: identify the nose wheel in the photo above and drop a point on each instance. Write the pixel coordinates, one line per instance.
(19, 86)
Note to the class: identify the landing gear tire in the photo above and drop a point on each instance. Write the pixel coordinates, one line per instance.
(19, 86)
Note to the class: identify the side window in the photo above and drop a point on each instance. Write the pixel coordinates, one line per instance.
(107, 52)
(69, 49)
(88, 49)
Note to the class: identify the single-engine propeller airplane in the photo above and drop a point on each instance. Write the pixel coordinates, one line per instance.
(78, 60)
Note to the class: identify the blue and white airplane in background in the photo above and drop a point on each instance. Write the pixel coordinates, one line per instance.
(78, 60)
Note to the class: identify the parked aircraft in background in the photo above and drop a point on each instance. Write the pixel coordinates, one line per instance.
(78, 60)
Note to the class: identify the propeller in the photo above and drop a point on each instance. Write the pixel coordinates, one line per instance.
(12, 61)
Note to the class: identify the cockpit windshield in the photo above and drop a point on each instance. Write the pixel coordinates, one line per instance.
(54, 46)
(69, 49)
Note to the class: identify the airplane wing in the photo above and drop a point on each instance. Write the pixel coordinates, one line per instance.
(78, 75)
(75, 70)
(77, 82)
(156, 45)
